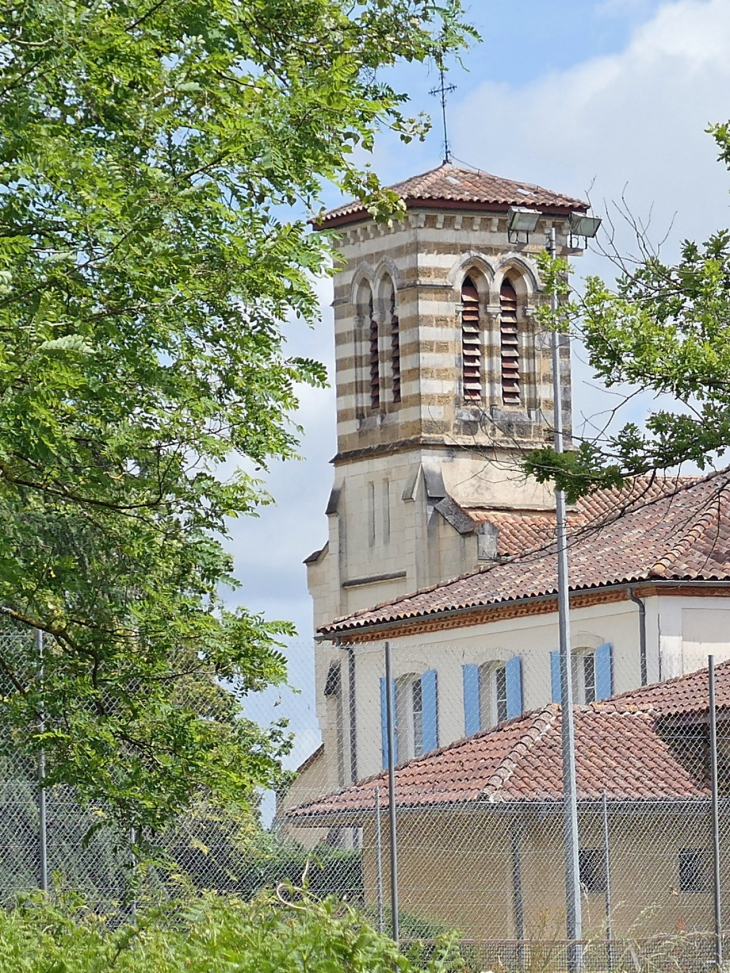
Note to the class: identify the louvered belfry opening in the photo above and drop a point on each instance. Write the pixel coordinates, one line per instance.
(374, 360)
(394, 347)
(509, 344)
(471, 341)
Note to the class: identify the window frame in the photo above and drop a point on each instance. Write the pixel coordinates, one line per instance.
(694, 870)
(592, 870)
(491, 703)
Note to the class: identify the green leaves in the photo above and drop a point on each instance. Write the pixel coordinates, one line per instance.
(665, 329)
(150, 154)
(285, 934)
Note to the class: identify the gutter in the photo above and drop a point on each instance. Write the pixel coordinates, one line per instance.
(532, 599)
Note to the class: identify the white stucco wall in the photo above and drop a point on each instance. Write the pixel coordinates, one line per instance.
(681, 632)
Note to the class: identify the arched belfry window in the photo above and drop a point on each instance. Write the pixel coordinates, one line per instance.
(391, 337)
(509, 344)
(471, 341)
(374, 353)
(394, 346)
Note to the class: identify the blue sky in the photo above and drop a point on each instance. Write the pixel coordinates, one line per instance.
(611, 97)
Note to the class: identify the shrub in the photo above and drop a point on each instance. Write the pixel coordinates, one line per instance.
(209, 934)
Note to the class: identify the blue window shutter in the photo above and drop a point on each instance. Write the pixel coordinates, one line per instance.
(472, 716)
(513, 673)
(604, 671)
(429, 687)
(555, 680)
(384, 723)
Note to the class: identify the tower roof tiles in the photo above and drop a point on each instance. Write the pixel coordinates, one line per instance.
(451, 187)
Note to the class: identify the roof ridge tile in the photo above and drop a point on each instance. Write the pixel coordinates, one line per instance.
(542, 721)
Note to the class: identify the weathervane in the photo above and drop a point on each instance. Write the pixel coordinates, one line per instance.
(443, 90)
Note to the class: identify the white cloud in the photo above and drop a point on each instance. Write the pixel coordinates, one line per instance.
(630, 122)
(636, 118)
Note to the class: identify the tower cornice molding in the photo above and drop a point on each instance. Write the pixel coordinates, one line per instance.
(429, 443)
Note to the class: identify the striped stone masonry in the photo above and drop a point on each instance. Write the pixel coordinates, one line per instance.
(425, 260)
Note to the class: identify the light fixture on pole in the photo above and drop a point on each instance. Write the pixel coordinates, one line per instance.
(520, 219)
(583, 225)
(574, 923)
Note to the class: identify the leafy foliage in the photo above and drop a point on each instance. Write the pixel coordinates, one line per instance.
(150, 154)
(230, 852)
(211, 933)
(667, 329)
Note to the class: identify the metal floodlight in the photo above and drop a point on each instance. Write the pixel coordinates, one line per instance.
(520, 219)
(585, 226)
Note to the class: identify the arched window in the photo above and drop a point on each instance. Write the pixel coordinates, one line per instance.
(592, 674)
(391, 335)
(394, 346)
(374, 358)
(492, 693)
(415, 702)
(471, 341)
(509, 344)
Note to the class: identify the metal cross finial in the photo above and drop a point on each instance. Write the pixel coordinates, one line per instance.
(443, 90)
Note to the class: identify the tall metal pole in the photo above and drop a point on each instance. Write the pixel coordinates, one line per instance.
(42, 819)
(715, 813)
(390, 717)
(574, 924)
(379, 859)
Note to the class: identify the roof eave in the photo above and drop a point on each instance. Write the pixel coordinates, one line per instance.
(357, 816)
(350, 633)
(362, 215)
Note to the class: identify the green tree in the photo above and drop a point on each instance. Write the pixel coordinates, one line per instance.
(150, 156)
(664, 328)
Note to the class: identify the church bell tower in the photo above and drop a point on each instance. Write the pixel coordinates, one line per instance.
(444, 381)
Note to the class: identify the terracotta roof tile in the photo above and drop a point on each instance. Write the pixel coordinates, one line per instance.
(684, 694)
(679, 531)
(618, 752)
(453, 185)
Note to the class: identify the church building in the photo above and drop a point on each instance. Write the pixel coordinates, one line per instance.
(437, 542)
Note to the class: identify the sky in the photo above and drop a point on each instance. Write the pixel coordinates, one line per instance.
(607, 99)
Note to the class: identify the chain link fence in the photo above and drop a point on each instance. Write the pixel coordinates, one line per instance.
(478, 802)
(478, 809)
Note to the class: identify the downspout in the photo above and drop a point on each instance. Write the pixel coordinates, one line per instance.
(642, 634)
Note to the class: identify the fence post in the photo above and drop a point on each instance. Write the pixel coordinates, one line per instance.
(517, 895)
(379, 858)
(390, 717)
(607, 866)
(42, 816)
(715, 812)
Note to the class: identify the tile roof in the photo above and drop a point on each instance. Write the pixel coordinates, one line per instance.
(683, 534)
(684, 694)
(520, 532)
(451, 185)
(618, 751)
